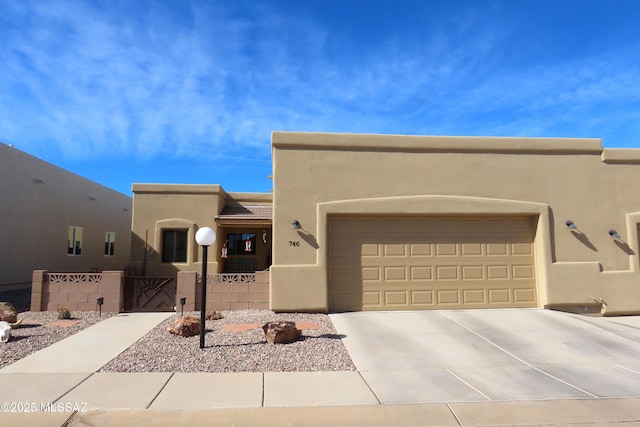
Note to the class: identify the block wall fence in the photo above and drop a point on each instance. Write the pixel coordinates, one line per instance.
(77, 291)
(80, 291)
(223, 296)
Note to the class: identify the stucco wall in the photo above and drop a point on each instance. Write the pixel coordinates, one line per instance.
(316, 175)
(39, 202)
(163, 206)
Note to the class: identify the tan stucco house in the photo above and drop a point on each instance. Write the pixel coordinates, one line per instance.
(386, 222)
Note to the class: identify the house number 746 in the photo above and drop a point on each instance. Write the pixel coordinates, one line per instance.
(294, 243)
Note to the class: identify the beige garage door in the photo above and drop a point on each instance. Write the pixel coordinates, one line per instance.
(430, 263)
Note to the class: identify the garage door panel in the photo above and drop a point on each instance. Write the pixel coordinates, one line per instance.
(474, 296)
(395, 273)
(398, 298)
(521, 249)
(395, 249)
(473, 272)
(420, 249)
(524, 295)
(431, 263)
(446, 249)
(421, 273)
(522, 272)
(370, 249)
(499, 296)
(497, 249)
(372, 298)
(471, 249)
(338, 274)
(447, 272)
(497, 272)
(371, 273)
(422, 298)
(448, 297)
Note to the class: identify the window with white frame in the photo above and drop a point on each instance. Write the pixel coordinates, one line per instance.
(74, 242)
(110, 243)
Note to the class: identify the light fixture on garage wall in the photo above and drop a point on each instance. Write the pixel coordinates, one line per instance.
(296, 225)
(614, 234)
(570, 225)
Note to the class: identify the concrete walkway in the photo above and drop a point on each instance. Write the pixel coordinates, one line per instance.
(61, 384)
(90, 349)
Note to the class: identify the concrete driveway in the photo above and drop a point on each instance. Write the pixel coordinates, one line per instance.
(492, 355)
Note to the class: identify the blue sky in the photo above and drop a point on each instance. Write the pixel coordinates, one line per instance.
(174, 91)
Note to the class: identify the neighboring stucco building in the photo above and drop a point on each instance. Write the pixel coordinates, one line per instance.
(415, 222)
(52, 219)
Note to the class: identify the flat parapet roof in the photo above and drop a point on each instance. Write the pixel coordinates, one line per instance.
(416, 143)
(177, 188)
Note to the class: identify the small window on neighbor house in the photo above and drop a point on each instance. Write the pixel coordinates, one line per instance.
(174, 245)
(74, 242)
(110, 243)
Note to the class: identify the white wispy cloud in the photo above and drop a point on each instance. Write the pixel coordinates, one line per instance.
(180, 79)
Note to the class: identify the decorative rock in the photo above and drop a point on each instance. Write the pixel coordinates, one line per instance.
(8, 312)
(282, 332)
(186, 326)
(214, 315)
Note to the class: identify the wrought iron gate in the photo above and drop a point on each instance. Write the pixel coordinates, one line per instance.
(150, 294)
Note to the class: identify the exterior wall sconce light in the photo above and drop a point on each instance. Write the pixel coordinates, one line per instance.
(296, 225)
(205, 237)
(614, 234)
(183, 301)
(570, 225)
(264, 236)
(99, 302)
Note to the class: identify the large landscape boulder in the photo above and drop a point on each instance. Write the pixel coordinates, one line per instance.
(281, 332)
(8, 313)
(186, 326)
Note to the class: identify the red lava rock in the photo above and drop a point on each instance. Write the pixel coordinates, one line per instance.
(186, 326)
(282, 332)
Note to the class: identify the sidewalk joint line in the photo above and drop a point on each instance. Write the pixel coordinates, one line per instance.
(469, 385)
(263, 387)
(161, 390)
(453, 413)
(370, 389)
(75, 386)
(519, 359)
(629, 369)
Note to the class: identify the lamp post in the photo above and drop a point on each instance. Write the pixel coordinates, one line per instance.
(205, 237)
(183, 301)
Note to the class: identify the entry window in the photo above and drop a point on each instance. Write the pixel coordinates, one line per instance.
(241, 244)
(74, 241)
(110, 243)
(174, 245)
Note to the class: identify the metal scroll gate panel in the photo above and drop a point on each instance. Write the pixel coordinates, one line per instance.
(150, 294)
(399, 263)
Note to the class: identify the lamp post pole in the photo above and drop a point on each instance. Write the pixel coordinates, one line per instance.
(203, 306)
(205, 237)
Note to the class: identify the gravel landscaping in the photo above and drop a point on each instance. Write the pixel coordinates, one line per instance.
(318, 349)
(40, 329)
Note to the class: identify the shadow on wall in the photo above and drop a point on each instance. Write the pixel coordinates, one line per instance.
(584, 239)
(308, 237)
(625, 247)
